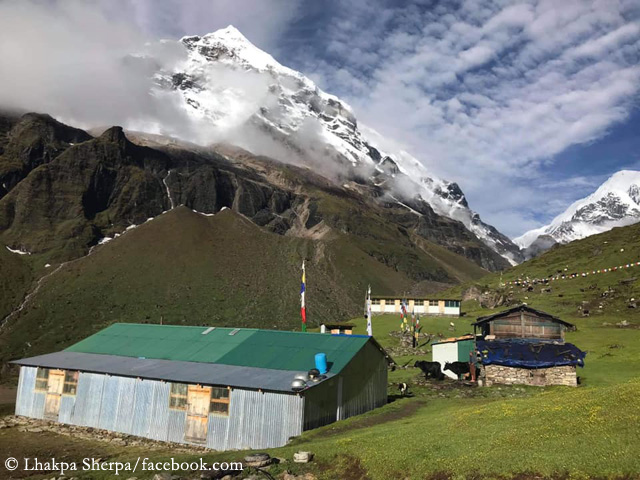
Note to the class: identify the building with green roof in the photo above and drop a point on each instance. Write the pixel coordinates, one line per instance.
(223, 388)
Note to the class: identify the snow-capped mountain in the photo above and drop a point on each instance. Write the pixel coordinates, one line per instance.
(249, 99)
(616, 203)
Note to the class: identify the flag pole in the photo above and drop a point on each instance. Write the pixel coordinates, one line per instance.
(369, 324)
(303, 307)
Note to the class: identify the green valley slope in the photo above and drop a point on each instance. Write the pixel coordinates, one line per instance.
(444, 431)
(238, 265)
(187, 268)
(447, 430)
(605, 307)
(604, 295)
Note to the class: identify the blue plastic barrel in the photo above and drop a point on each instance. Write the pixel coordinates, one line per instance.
(321, 362)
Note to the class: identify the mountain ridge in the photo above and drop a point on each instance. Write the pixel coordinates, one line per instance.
(227, 82)
(615, 203)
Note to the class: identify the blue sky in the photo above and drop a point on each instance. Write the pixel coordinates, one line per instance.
(437, 69)
(528, 105)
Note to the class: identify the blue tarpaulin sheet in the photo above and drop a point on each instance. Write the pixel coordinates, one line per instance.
(524, 353)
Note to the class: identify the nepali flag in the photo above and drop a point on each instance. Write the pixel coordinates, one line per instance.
(303, 308)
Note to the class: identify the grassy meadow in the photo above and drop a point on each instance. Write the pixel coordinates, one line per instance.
(446, 430)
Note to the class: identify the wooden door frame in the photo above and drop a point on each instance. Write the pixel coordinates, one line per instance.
(53, 414)
(193, 390)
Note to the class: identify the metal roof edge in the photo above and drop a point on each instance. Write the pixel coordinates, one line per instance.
(415, 297)
(464, 338)
(487, 318)
(388, 357)
(50, 364)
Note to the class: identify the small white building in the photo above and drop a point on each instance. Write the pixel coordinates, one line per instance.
(455, 349)
(422, 306)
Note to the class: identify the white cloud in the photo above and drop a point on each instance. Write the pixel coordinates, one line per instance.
(483, 93)
(261, 21)
(488, 93)
(92, 63)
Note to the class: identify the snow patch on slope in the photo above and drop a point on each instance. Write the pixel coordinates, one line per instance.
(18, 251)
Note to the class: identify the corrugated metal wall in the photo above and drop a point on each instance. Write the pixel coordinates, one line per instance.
(125, 398)
(256, 420)
(29, 403)
(364, 387)
(321, 404)
(365, 382)
(141, 407)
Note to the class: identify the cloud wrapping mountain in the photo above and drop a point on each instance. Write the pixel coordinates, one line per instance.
(485, 93)
(219, 88)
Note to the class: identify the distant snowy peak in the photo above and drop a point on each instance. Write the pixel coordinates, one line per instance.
(233, 85)
(615, 203)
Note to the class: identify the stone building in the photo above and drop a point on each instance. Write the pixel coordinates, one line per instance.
(557, 375)
(526, 346)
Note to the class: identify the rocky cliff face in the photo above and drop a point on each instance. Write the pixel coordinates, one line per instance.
(226, 84)
(74, 196)
(227, 90)
(29, 142)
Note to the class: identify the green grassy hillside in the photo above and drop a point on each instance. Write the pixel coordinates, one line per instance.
(447, 430)
(598, 304)
(608, 297)
(15, 278)
(187, 268)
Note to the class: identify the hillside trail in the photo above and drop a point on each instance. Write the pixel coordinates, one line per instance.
(39, 284)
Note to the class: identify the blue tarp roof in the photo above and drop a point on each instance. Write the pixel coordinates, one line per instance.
(527, 353)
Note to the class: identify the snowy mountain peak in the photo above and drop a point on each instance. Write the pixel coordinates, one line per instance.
(230, 33)
(615, 203)
(228, 83)
(230, 46)
(625, 181)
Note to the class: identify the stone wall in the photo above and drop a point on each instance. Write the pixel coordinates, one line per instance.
(499, 374)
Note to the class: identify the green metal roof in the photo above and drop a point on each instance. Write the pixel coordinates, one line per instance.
(247, 347)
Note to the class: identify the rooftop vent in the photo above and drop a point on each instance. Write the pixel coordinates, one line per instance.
(208, 330)
(233, 332)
